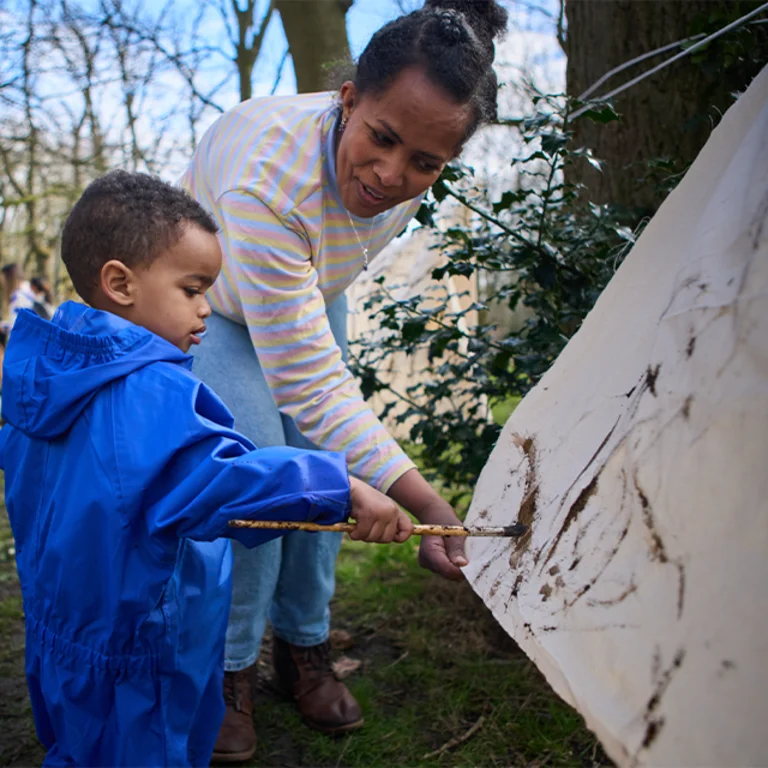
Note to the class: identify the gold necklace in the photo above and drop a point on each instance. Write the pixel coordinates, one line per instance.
(363, 248)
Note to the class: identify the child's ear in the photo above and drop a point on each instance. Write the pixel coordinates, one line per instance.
(118, 283)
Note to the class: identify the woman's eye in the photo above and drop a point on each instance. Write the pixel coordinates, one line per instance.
(381, 139)
(192, 292)
(426, 167)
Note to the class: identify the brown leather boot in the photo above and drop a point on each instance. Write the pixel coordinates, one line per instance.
(324, 702)
(237, 738)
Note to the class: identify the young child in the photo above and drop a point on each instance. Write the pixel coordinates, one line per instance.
(122, 471)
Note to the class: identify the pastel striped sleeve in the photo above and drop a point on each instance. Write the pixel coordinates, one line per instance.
(269, 258)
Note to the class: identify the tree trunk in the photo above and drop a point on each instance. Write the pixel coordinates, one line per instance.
(317, 38)
(667, 115)
(37, 255)
(246, 52)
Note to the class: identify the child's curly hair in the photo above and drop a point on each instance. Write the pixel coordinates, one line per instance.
(130, 217)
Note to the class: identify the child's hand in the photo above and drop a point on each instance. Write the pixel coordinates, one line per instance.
(377, 518)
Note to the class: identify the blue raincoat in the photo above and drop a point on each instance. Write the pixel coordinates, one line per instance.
(121, 472)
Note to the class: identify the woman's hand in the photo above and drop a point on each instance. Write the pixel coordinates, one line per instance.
(377, 518)
(442, 554)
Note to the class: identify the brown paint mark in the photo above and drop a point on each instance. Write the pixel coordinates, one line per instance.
(482, 514)
(652, 732)
(680, 588)
(689, 281)
(599, 448)
(528, 507)
(686, 409)
(691, 346)
(656, 663)
(514, 591)
(758, 225)
(574, 564)
(591, 460)
(658, 550)
(554, 570)
(527, 511)
(666, 679)
(651, 375)
(546, 591)
(618, 599)
(608, 561)
(491, 560)
(582, 499)
(726, 665)
(516, 585)
(576, 508)
(559, 583)
(655, 724)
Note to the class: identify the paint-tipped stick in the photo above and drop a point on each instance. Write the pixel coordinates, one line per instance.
(507, 531)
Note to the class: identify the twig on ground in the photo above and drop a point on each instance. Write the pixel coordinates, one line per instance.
(396, 661)
(457, 740)
(541, 761)
(341, 756)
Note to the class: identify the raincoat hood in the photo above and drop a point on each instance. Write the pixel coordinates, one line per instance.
(52, 370)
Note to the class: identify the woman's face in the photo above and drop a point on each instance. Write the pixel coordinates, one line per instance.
(396, 143)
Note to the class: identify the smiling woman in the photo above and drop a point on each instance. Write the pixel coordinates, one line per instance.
(396, 142)
(306, 190)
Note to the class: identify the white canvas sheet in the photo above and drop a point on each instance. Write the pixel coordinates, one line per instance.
(640, 463)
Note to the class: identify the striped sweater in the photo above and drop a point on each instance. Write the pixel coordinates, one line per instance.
(266, 171)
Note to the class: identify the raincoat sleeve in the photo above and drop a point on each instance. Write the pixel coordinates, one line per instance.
(205, 474)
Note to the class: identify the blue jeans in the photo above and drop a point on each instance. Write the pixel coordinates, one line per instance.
(289, 580)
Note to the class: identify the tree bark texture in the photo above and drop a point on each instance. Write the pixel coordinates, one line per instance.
(668, 115)
(317, 38)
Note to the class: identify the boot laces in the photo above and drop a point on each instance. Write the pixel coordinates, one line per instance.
(234, 689)
(315, 658)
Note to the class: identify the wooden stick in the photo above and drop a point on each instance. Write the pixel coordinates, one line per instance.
(457, 740)
(507, 531)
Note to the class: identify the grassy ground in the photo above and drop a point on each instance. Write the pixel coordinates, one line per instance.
(433, 665)
(18, 745)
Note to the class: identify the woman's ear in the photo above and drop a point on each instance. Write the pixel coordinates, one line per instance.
(348, 94)
(118, 283)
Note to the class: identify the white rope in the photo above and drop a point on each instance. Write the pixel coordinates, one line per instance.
(643, 57)
(667, 62)
(636, 60)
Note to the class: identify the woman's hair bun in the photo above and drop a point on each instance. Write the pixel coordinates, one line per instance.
(452, 41)
(486, 17)
(452, 27)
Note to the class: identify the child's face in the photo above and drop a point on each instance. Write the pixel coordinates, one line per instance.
(169, 297)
